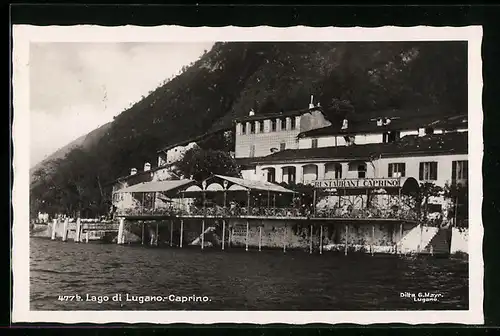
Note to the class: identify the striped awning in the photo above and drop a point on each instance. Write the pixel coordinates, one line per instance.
(156, 186)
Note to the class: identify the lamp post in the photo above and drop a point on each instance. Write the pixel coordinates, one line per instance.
(204, 186)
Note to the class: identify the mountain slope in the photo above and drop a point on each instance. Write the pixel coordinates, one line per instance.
(86, 142)
(232, 78)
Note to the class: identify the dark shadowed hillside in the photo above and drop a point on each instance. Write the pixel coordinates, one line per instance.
(232, 78)
(86, 142)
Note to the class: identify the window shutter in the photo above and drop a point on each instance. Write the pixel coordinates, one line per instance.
(454, 170)
(421, 171)
(403, 170)
(389, 170)
(434, 170)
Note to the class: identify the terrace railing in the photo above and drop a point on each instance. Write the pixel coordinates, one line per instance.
(219, 211)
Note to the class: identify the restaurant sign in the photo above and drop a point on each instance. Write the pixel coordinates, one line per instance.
(362, 183)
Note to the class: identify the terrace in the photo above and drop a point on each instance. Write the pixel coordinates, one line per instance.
(230, 197)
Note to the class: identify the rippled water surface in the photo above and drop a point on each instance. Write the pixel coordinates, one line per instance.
(236, 280)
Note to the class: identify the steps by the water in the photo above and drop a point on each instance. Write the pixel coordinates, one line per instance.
(440, 243)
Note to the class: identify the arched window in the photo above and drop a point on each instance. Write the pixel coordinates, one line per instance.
(358, 168)
(289, 174)
(333, 171)
(310, 172)
(271, 175)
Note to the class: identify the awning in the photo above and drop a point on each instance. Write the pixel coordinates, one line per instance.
(156, 186)
(255, 185)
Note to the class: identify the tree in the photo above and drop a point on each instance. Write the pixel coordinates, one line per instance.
(425, 192)
(200, 164)
(458, 194)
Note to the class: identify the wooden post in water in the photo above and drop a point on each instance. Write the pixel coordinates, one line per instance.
(321, 239)
(260, 238)
(78, 231)
(223, 233)
(373, 238)
(246, 238)
(65, 230)
(142, 233)
(182, 232)
(230, 236)
(202, 233)
(156, 235)
(54, 226)
(284, 239)
(419, 249)
(311, 241)
(171, 232)
(400, 236)
(119, 239)
(346, 238)
(314, 203)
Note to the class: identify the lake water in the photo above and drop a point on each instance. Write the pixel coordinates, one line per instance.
(69, 276)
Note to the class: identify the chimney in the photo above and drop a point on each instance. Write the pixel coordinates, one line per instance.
(147, 166)
(311, 104)
(421, 132)
(251, 113)
(379, 122)
(133, 171)
(344, 124)
(387, 121)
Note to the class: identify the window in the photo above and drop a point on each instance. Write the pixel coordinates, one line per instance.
(271, 175)
(283, 124)
(282, 146)
(428, 171)
(314, 143)
(361, 171)
(273, 125)
(252, 150)
(460, 170)
(333, 171)
(243, 128)
(252, 128)
(258, 127)
(396, 170)
(293, 124)
(391, 136)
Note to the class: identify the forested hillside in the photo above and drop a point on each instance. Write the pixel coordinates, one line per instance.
(232, 78)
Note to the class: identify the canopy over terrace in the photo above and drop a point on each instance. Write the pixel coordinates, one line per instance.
(150, 198)
(156, 186)
(245, 196)
(352, 195)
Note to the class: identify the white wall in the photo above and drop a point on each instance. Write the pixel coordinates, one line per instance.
(459, 240)
(362, 139)
(176, 153)
(412, 166)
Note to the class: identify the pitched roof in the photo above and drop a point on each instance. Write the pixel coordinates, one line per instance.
(192, 139)
(276, 114)
(447, 143)
(256, 185)
(397, 123)
(156, 186)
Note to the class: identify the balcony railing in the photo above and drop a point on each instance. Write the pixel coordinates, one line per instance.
(219, 211)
